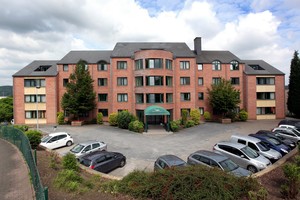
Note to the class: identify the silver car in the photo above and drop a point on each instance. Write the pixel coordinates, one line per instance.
(242, 155)
(84, 148)
(288, 133)
(257, 145)
(212, 159)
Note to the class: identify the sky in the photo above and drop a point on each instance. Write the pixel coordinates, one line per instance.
(49, 29)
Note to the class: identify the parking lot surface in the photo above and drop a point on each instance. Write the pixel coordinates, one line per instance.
(142, 150)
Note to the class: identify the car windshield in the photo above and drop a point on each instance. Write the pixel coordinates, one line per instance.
(274, 141)
(77, 148)
(249, 152)
(46, 138)
(228, 165)
(262, 146)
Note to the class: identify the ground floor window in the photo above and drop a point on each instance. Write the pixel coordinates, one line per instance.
(265, 111)
(201, 109)
(31, 114)
(104, 112)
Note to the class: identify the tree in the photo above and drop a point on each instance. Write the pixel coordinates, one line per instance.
(6, 109)
(294, 86)
(223, 97)
(79, 97)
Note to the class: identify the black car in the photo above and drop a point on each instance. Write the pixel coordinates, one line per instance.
(104, 161)
(290, 122)
(168, 161)
(285, 141)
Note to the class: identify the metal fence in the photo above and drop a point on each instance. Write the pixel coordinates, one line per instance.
(17, 137)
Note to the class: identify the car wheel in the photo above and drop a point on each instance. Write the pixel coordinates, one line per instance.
(69, 143)
(252, 169)
(122, 164)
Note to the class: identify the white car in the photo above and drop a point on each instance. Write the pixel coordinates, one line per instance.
(56, 140)
(87, 147)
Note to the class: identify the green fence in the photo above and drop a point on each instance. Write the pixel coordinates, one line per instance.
(18, 138)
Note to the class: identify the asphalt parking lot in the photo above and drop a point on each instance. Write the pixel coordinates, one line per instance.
(141, 150)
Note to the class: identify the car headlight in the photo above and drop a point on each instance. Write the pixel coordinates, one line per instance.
(285, 151)
(261, 165)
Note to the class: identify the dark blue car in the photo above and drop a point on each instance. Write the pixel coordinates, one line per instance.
(273, 143)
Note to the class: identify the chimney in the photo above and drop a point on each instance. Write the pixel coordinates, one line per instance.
(197, 45)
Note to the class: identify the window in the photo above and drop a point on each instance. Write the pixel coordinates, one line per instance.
(235, 81)
(138, 64)
(154, 63)
(102, 66)
(95, 145)
(34, 82)
(169, 64)
(65, 67)
(185, 65)
(265, 81)
(169, 98)
(200, 95)
(169, 81)
(154, 80)
(184, 80)
(139, 98)
(122, 81)
(234, 65)
(265, 110)
(200, 67)
(265, 95)
(102, 81)
(122, 97)
(216, 65)
(185, 96)
(65, 82)
(200, 81)
(154, 98)
(102, 97)
(139, 81)
(216, 81)
(201, 109)
(32, 114)
(104, 112)
(121, 64)
(35, 98)
(86, 67)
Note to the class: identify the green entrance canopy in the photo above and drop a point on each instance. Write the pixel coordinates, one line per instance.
(156, 110)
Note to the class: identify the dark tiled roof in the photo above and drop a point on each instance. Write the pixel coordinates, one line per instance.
(267, 68)
(30, 70)
(127, 49)
(222, 56)
(89, 56)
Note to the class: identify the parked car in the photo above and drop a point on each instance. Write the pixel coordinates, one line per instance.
(212, 159)
(273, 143)
(87, 147)
(56, 140)
(288, 134)
(257, 145)
(168, 161)
(103, 161)
(291, 122)
(242, 155)
(285, 141)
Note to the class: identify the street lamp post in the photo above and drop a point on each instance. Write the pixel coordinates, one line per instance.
(37, 109)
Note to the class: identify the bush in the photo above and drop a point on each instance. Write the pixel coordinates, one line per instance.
(261, 194)
(34, 138)
(68, 180)
(207, 116)
(124, 118)
(100, 118)
(112, 119)
(69, 162)
(60, 118)
(243, 115)
(22, 128)
(290, 189)
(136, 126)
(231, 115)
(184, 114)
(195, 116)
(190, 123)
(54, 160)
(174, 126)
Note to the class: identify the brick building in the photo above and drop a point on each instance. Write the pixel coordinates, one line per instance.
(135, 76)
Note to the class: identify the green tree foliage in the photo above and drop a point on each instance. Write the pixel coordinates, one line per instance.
(290, 189)
(80, 96)
(60, 118)
(34, 138)
(112, 119)
(195, 116)
(294, 86)
(207, 115)
(223, 97)
(100, 118)
(124, 118)
(6, 109)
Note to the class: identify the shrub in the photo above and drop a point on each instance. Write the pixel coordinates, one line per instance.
(190, 123)
(34, 138)
(174, 126)
(232, 115)
(69, 162)
(53, 160)
(136, 126)
(290, 189)
(112, 119)
(261, 194)
(243, 115)
(207, 116)
(100, 118)
(124, 118)
(60, 118)
(184, 114)
(22, 128)
(195, 116)
(68, 180)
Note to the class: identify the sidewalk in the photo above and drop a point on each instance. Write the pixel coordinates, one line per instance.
(15, 179)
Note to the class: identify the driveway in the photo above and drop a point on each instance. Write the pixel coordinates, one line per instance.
(142, 150)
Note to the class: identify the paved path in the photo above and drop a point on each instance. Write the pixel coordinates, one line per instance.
(14, 181)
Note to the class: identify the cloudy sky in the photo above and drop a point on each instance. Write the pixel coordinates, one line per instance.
(49, 29)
